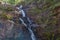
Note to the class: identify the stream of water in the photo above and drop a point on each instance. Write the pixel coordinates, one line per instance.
(26, 21)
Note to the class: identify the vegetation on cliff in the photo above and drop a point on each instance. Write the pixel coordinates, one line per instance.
(45, 13)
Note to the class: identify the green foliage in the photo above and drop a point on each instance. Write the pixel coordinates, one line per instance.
(11, 1)
(3, 15)
(6, 9)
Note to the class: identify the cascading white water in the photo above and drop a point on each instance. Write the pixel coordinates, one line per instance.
(32, 34)
(29, 29)
(23, 13)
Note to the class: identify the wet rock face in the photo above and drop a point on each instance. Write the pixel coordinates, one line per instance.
(5, 28)
(10, 31)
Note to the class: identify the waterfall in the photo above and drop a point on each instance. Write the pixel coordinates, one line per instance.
(26, 21)
(29, 29)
